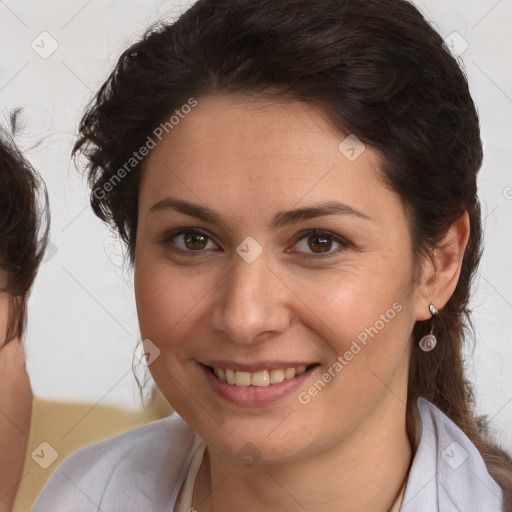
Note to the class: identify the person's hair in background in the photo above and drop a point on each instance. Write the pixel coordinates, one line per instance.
(398, 90)
(24, 224)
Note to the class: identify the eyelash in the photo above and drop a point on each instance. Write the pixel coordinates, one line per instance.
(343, 243)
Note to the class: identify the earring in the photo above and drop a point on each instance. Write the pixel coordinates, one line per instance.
(428, 342)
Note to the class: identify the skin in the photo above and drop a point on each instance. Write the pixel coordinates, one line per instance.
(248, 159)
(15, 411)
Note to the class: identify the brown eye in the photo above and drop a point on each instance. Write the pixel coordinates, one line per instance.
(189, 240)
(194, 241)
(319, 243)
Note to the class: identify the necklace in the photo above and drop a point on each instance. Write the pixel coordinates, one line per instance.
(184, 501)
(185, 498)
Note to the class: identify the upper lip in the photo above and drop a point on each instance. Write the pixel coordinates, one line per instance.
(255, 367)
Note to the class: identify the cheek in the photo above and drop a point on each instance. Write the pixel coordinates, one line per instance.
(167, 299)
(365, 326)
(158, 307)
(363, 317)
(355, 303)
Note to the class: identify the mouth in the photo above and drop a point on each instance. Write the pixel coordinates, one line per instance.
(257, 384)
(261, 378)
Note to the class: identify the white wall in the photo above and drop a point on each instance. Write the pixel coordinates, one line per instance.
(83, 328)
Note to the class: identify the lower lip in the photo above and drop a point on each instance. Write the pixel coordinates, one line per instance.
(254, 395)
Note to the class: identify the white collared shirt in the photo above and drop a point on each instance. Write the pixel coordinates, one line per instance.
(142, 470)
(448, 473)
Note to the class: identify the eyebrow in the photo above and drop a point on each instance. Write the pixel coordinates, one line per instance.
(281, 219)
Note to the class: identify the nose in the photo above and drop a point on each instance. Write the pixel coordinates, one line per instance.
(251, 302)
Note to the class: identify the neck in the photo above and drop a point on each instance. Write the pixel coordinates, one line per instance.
(364, 472)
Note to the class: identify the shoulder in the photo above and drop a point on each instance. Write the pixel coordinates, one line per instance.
(136, 470)
(448, 472)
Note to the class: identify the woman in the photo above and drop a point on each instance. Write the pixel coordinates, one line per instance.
(23, 234)
(295, 182)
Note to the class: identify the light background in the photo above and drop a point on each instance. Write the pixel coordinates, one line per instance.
(82, 321)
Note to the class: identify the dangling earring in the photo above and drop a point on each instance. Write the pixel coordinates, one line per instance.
(428, 342)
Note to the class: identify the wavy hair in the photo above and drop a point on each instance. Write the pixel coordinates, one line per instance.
(24, 226)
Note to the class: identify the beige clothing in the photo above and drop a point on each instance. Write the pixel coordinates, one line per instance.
(399, 500)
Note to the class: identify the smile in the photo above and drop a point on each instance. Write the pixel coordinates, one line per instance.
(262, 378)
(256, 384)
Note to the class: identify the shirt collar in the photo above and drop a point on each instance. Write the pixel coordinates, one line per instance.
(448, 474)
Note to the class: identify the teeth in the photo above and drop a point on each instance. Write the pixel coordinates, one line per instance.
(260, 379)
(230, 376)
(242, 378)
(276, 376)
(289, 373)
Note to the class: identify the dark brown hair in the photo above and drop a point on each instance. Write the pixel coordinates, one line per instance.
(24, 224)
(378, 70)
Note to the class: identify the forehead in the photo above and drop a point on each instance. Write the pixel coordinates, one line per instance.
(232, 150)
(252, 127)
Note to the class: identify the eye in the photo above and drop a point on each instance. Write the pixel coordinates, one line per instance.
(320, 243)
(189, 240)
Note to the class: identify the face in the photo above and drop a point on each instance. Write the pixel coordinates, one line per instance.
(261, 247)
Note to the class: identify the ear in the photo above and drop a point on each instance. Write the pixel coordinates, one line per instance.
(441, 271)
